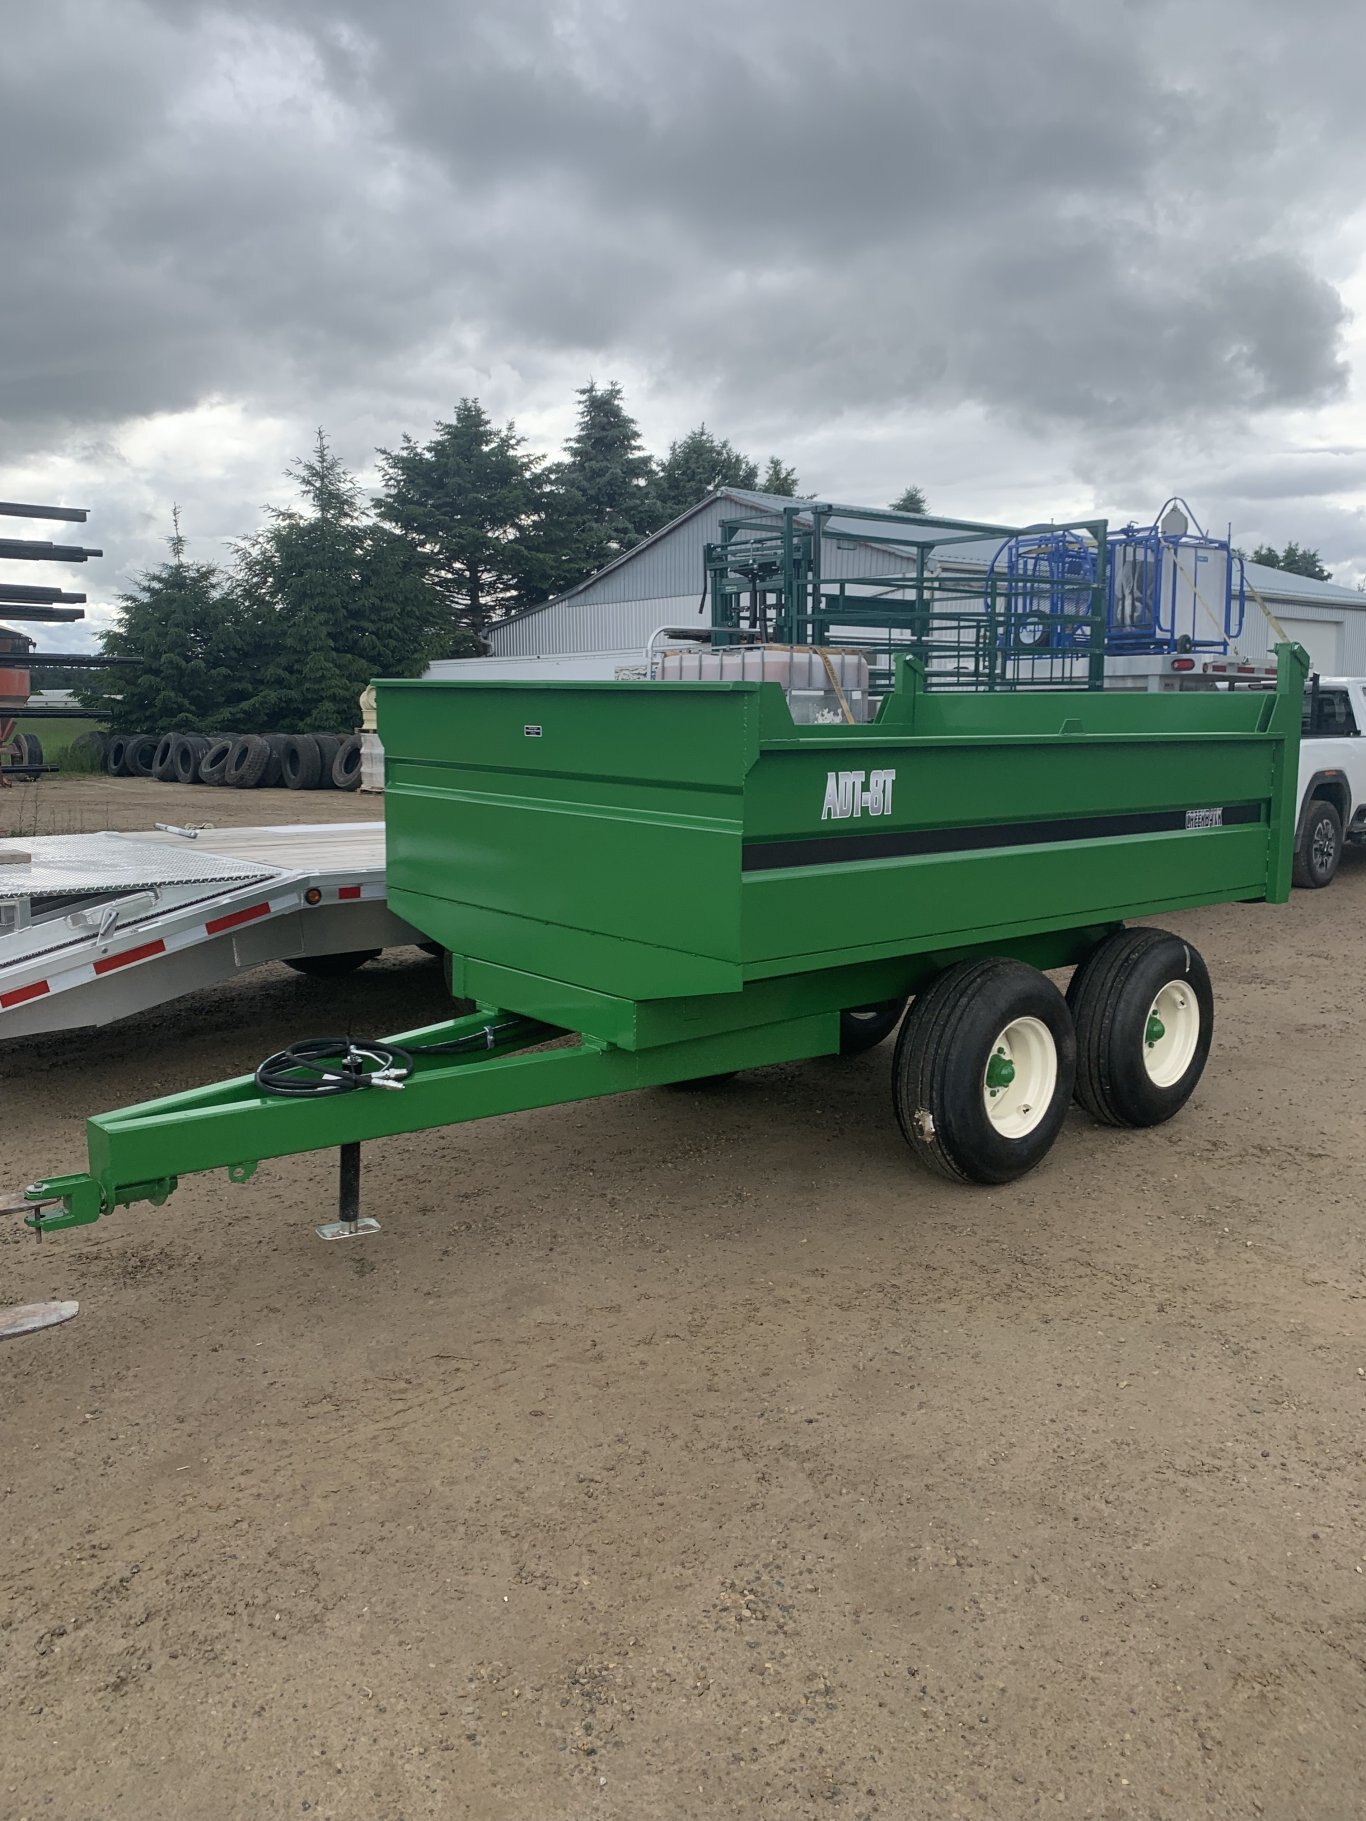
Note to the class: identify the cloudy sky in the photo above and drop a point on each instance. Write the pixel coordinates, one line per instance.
(1043, 257)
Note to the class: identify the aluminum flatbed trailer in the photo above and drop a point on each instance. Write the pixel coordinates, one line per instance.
(94, 927)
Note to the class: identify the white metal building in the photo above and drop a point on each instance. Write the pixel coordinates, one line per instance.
(607, 621)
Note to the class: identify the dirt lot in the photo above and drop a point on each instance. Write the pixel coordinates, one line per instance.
(58, 805)
(692, 1456)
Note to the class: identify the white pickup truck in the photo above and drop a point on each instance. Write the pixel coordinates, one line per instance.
(1332, 790)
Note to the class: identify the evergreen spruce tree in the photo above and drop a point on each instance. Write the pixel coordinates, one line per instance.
(912, 500)
(183, 627)
(779, 479)
(1294, 560)
(602, 499)
(696, 465)
(470, 503)
(331, 601)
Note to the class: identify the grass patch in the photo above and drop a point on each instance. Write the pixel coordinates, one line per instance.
(57, 736)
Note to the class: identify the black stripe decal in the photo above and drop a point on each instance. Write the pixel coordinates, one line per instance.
(839, 849)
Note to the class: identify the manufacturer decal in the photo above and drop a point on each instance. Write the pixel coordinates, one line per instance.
(1204, 818)
(531, 731)
(857, 793)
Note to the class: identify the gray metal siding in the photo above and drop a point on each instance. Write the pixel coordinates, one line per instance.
(573, 626)
(662, 584)
(664, 569)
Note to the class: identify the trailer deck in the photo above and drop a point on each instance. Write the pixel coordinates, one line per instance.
(94, 927)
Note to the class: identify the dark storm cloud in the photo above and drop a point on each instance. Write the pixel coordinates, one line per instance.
(1083, 214)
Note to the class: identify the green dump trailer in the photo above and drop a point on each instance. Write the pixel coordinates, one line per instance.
(646, 884)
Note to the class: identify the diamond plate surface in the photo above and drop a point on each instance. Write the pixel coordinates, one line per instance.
(64, 865)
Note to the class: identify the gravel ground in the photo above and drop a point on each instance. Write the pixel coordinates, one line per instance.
(692, 1455)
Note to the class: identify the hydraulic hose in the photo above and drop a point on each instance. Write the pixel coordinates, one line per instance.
(321, 1066)
(318, 1067)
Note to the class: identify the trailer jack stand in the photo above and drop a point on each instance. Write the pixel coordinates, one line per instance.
(348, 1224)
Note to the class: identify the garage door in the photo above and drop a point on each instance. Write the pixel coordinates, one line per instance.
(1322, 639)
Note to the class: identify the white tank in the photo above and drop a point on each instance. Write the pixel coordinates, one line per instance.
(813, 678)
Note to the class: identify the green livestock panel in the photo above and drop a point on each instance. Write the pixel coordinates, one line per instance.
(580, 846)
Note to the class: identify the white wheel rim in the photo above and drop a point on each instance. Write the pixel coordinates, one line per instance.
(1020, 1076)
(1172, 1030)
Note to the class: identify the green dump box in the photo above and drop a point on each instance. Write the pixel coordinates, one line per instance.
(642, 884)
(629, 858)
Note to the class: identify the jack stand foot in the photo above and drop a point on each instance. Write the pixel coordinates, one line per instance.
(347, 1229)
(349, 1224)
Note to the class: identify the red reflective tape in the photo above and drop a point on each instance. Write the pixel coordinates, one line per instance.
(348, 891)
(216, 925)
(22, 993)
(130, 955)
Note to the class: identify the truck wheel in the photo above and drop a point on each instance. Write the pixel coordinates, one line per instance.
(247, 762)
(275, 770)
(140, 754)
(1319, 848)
(215, 760)
(328, 967)
(328, 745)
(1144, 1014)
(189, 750)
(983, 1071)
(346, 765)
(863, 1027)
(87, 751)
(302, 761)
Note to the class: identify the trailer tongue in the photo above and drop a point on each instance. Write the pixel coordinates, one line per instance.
(651, 883)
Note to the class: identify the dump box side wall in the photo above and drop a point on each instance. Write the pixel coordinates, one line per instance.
(589, 833)
(998, 834)
(656, 841)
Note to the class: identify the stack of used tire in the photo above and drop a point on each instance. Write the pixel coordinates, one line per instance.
(247, 761)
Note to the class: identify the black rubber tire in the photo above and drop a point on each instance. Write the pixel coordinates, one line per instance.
(347, 764)
(938, 1074)
(28, 749)
(247, 762)
(189, 750)
(275, 771)
(1318, 852)
(863, 1027)
(215, 760)
(303, 762)
(140, 755)
(116, 755)
(92, 747)
(328, 745)
(1111, 995)
(163, 760)
(329, 967)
